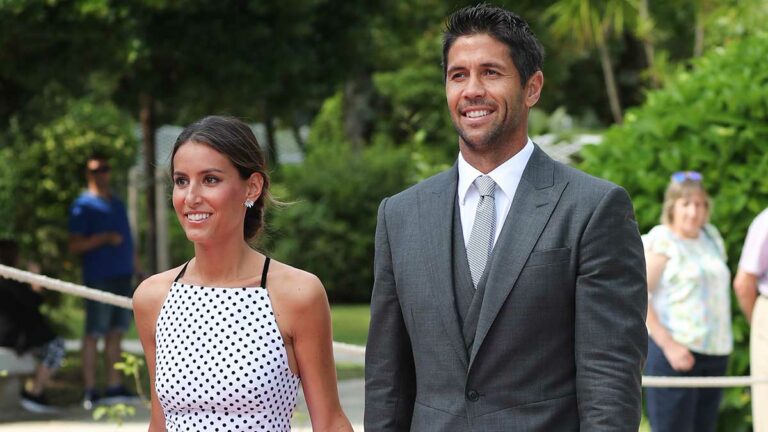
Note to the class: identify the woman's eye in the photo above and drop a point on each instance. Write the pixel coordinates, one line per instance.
(180, 181)
(210, 180)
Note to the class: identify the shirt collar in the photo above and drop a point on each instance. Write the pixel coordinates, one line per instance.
(507, 175)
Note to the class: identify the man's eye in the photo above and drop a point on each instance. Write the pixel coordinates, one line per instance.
(458, 75)
(491, 72)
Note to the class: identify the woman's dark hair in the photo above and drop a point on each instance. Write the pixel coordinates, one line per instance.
(235, 140)
(525, 50)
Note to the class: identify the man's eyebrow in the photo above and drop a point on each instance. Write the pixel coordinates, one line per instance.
(489, 64)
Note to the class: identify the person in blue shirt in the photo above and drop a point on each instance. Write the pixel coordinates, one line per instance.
(100, 233)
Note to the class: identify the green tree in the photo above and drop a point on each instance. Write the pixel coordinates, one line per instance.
(328, 227)
(52, 42)
(593, 24)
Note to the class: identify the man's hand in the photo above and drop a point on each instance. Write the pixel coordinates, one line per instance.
(112, 238)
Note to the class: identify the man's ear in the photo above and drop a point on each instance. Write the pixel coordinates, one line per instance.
(533, 88)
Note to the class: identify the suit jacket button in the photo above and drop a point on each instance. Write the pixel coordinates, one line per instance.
(473, 396)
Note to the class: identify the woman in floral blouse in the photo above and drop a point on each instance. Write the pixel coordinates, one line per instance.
(689, 319)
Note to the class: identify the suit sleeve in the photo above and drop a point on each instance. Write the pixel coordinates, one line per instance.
(611, 305)
(389, 370)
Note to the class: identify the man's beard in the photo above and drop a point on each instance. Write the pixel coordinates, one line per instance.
(495, 137)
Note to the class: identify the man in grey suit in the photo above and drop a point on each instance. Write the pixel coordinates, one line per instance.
(510, 290)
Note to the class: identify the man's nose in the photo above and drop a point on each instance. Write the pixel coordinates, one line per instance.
(474, 88)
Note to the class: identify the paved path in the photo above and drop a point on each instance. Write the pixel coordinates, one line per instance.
(79, 420)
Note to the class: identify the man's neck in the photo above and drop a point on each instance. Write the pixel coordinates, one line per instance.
(486, 162)
(94, 189)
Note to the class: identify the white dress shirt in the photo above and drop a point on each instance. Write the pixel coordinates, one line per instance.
(507, 176)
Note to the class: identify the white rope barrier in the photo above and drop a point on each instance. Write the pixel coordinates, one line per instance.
(349, 352)
(703, 382)
(349, 349)
(65, 287)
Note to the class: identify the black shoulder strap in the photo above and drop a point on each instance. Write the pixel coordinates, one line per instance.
(264, 273)
(181, 273)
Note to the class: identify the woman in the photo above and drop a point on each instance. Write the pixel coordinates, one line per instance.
(689, 319)
(229, 335)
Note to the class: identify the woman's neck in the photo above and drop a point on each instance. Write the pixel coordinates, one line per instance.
(224, 265)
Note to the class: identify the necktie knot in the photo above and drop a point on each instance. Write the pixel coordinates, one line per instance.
(485, 185)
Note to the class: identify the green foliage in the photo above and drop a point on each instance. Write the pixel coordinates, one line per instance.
(116, 413)
(413, 108)
(328, 229)
(132, 367)
(711, 119)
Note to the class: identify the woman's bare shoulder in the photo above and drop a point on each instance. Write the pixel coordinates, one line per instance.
(295, 288)
(152, 291)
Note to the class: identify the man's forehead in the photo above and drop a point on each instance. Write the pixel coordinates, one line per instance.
(480, 45)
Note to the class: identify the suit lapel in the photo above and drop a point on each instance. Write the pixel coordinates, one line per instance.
(435, 218)
(535, 199)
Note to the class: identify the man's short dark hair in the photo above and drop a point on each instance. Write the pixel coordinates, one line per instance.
(525, 50)
(97, 155)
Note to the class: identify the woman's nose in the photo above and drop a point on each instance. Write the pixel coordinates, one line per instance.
(193, 196)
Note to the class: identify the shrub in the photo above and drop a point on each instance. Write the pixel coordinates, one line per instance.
(328, 227)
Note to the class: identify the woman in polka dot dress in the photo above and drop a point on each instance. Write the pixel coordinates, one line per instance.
(229, 335)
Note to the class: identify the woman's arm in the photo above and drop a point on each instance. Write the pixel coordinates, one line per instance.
(147, 301)
(313, 348)
(678, 356)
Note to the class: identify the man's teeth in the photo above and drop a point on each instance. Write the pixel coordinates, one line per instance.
(475, 114)
(197, 216)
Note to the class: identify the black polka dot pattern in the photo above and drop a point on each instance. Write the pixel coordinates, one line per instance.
(221, 364)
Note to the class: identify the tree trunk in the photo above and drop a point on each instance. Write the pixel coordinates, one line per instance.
(296, 131)
(610, 82)
(358, 113)
(147, 118)
(698, 37)
(648, 47)
(271, 150)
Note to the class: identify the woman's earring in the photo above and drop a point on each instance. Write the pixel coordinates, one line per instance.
(249, 203)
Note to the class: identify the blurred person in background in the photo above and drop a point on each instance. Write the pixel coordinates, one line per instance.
(689, 319)
(24, 329)
(100, 233)
(751, 286)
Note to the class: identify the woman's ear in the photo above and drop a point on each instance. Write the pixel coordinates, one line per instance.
(255, 186)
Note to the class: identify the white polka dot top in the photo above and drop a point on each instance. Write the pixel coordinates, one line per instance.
(221, 364)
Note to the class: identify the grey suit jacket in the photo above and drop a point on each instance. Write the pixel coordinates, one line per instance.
(561, 337)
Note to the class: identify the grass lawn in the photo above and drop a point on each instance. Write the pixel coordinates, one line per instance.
(350, 323)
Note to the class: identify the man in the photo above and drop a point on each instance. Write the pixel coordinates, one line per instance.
(751, 285)
(509, 291)
(99, 231)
